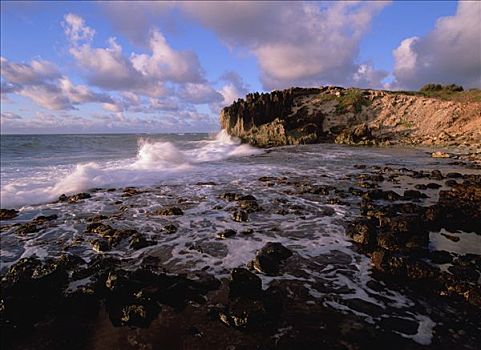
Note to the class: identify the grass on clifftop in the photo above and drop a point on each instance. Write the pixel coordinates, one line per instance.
(450, 92)
(352, 98)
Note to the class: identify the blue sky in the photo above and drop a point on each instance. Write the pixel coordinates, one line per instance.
(173, 66)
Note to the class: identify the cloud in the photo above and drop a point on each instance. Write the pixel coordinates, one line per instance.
(200, 93)
(42, 122)
(35, 72)
(450, 53)
(7, 117)
(75, 28)
(42, 83)
(300, 43)
(233, 89)
(134, 20)
(144, 74)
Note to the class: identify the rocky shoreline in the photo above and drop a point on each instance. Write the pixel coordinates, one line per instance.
(357, 117)
(279, 298)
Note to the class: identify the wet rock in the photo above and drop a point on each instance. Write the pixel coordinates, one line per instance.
(269, 258)
(454, 175)
(244, 313)
(42, 219)
(113, 236)
(413, 194)
(137, 316)
(77, 197)
(84, 302)
(100, 245)
(451, 183)
(389, 241)
(244, 283)
(249, 205)
(7, 214)
(31, 288)
(467, 273)
(421, 187)
(452, 238)
(401, 325)
(364, 306)
(96, 218)
(319, 189)
(247, 197)
(441, 257)
(240, 216)
(170, 228)
(436, 175)
(100, 228)
(247, 232)
(362, 231)
(169, 211)
(326, 211)
(24, 229)
(138, 241)
(267, 178)
(229, 196)
(439, 154)
(380, 194)
(208, 183)
(130, 191)
(356, 191)
(226, 234)
(433, 185)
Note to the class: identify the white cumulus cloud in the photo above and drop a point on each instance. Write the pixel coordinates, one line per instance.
(450, 53)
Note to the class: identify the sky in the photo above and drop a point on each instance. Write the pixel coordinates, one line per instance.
(113, 67)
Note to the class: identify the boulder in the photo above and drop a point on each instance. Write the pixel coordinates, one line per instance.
(269, 258)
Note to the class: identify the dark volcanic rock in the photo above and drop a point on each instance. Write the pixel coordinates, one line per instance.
(138, 241)
(27, 228)
(240, 215)
(100, 245)
(413, 194)
(226, 233)
(244, 313)
(30, 289)
(170, 228)
(249, 205)
(229, 196)
(43, 219)
(244, 284)
(7, 214)
(362, 231)
(269, 258)
(169, 211)
(74, 198)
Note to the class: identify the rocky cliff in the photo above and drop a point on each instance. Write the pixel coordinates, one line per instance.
(352, 116)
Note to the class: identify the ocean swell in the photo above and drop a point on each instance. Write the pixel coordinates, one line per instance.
(155, 161)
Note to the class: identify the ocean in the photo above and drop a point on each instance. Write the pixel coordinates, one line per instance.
(199, 172)
(39, 168)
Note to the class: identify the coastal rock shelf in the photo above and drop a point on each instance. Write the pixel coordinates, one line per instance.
(342, 249)
(353, 116)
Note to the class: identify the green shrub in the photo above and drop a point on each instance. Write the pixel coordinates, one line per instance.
(438, 87)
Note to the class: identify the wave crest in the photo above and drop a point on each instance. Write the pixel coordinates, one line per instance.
(155, 161)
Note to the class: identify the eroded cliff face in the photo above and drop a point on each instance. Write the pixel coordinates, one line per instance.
(351, 116)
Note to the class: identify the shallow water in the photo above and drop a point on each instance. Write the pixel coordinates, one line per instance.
(168, 170)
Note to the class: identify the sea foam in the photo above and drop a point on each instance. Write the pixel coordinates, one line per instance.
(155, 161)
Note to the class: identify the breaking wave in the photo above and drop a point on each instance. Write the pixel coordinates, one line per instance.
(155, 160)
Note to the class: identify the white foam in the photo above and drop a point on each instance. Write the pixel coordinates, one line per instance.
(154, 161)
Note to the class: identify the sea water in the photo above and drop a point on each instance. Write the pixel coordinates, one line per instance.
(193, 170)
